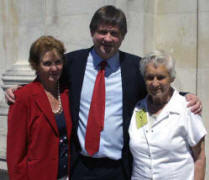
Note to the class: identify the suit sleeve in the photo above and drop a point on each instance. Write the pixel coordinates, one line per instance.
(17, 140)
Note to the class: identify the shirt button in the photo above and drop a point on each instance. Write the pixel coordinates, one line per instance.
(61, 140)
(152, 131)
(65, 154)
(146, 131)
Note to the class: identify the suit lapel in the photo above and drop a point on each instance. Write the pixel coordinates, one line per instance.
(125, 87)
(77, 76)
(125, 79)
(66, 109)
(44, 105)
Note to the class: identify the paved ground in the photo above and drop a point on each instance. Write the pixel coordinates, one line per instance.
(3, 175)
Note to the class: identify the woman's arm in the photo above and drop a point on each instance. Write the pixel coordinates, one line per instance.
(199, 160)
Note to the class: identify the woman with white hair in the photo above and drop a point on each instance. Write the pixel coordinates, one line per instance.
(166, 139)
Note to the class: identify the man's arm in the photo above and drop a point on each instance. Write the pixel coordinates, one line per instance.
(199, 160)
(194, 102)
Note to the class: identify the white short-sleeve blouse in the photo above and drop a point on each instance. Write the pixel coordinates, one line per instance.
(163, 151)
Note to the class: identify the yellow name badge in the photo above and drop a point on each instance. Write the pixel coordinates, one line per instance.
(141, 118)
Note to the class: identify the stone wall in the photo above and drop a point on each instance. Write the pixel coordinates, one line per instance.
(179, 27)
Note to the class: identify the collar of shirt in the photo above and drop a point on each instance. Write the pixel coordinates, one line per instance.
(170, 108)
(113, 63)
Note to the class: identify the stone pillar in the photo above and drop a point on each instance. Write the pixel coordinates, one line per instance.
(18, 29)
(19, 73)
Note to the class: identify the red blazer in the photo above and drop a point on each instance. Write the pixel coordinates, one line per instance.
(33, 136)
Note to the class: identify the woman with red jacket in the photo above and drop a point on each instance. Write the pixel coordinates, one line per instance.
(39, 122)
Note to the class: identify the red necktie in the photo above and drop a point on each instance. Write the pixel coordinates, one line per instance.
(95, 122)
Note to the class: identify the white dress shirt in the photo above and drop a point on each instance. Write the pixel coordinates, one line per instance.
(163, 151)
(111, 139)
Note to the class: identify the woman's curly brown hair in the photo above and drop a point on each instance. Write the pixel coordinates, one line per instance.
(43, 45)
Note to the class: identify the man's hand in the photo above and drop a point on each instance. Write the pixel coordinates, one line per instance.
(194, 103)
(9, 94)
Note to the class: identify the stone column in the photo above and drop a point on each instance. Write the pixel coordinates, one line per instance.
(19, 73)
(21, 23)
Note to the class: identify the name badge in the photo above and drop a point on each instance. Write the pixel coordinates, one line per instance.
(141, 118)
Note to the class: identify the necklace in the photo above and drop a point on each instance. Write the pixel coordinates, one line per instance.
(59, 109)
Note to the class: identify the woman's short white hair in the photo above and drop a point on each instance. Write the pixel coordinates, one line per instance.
(158, 57)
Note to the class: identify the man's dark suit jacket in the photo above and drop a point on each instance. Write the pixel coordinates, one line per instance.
(133, 88)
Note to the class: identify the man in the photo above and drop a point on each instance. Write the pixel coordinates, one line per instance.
(110, 158)
(124, 86)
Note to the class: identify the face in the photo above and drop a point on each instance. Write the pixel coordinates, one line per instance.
(158, 82)
(107, 40)
(50, 68)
